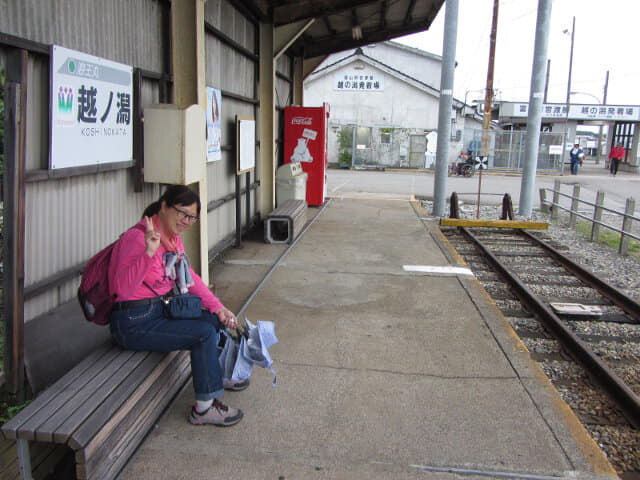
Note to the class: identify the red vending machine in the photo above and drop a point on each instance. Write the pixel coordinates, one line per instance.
(305, 141)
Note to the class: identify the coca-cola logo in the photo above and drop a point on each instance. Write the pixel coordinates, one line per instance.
(301, 121)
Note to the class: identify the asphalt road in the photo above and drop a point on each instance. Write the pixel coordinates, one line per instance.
(404, 183)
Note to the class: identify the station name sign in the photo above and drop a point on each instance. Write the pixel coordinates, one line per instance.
(628, 113)
(91, 110)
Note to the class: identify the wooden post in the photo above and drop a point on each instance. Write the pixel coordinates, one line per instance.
(14, 219)
(556, 200)
(507, 208)
(627, 226)
(454, 208)
(575, 202)
(597, 216)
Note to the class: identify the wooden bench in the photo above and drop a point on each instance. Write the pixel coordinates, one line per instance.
(285, 223)
(101, 409)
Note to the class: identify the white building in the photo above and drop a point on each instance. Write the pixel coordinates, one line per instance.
(388, 94)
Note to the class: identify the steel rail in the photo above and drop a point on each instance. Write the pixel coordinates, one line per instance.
(626, 399)
(618, 298)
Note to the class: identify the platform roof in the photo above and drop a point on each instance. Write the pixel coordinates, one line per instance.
(340, 25)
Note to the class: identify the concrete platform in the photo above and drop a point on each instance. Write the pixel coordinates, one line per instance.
(382, 373)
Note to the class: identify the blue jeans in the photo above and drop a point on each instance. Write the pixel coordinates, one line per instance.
(148, 328)
(574, 166)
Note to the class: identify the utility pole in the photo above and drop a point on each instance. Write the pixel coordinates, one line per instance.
(604, 102)
(488, 99)
(566, 118)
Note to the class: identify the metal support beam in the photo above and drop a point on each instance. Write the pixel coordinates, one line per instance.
(24, 459)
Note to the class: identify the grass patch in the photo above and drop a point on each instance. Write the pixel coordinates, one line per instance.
(609, 238)
(10, 407)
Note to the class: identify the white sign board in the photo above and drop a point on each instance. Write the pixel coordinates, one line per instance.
(91, 110)
(246, 132)
(629, 113)
(555, 149)
(309, 134)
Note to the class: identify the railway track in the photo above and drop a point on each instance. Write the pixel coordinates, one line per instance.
(584, 333)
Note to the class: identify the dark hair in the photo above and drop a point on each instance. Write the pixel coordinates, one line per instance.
(174, 195)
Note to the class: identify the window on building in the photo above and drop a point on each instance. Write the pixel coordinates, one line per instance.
(385, 136)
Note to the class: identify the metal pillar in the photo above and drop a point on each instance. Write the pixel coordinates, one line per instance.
(445, 105)
(534, 120)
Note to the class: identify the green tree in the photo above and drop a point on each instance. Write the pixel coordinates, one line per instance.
(345, 143)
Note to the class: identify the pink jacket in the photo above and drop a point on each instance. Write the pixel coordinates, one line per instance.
(130, 266)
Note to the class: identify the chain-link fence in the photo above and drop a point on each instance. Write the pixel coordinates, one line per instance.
(506, 149)
(376, 147)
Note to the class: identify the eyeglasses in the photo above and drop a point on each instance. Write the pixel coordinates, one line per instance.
(182, 215)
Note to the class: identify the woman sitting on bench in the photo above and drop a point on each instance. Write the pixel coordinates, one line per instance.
(146, 263)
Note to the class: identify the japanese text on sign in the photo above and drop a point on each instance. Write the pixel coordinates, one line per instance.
(91, 111)
(360, 81)
(577, 112)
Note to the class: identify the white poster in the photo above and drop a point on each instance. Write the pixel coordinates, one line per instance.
(214, 131)
(91, 110)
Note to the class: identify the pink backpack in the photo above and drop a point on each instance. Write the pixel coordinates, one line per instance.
(93, 293)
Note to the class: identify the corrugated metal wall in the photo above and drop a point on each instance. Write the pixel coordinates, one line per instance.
(68, 219)
(125, 31)
(231, 71)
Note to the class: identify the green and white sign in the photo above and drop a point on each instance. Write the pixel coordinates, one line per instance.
(91, 110)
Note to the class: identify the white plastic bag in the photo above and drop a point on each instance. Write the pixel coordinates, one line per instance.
(237, 359)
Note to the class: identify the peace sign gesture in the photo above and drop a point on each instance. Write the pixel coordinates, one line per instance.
(151, 238)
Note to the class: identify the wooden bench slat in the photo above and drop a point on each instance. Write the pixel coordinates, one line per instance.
(32, 416)
(90, 393)
(109, 413)
(109, 471)
(106, 390)
(115, 450)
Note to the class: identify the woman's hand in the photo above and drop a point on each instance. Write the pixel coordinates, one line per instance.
(151, 238)
(227, 318)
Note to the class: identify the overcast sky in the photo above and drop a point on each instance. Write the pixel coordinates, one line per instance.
(606, 38)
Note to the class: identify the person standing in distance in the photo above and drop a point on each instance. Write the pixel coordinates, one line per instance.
(615, 155)
(575, 155)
